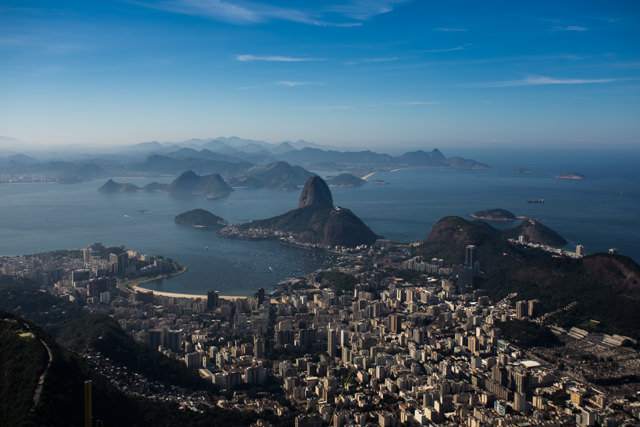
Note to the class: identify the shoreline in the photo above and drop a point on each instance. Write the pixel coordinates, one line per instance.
(186, 296)
(134, 284)
(138, 288)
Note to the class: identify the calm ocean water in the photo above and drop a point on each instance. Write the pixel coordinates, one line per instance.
(600, 212)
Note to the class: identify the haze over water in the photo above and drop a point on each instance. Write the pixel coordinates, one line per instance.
(599, 212)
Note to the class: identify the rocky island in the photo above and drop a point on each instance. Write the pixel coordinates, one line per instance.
(316, 221)
(189, 183)
(117, 187)
(494, 215)
(200, 218)
(570, 176)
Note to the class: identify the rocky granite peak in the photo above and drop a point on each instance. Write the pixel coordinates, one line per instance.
(316, 193)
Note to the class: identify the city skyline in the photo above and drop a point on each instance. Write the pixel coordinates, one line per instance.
(352, 74)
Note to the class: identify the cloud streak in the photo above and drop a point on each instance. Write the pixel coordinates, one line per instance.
(451, 49)
(275, 58)
(569, 28)
(294, 84)
(351, 13)
(543, 81)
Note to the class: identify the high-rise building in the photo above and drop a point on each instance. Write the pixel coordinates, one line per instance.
(213, 299)
(534, 308)
(258, 347)
(394, 324)
(580, 250)
(521, 309)
(470, 255)
(331, 343)
(123, 263)
(173, 339)
(519, 402)
(260, 295)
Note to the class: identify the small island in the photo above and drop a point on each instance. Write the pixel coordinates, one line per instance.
(200, 218)
(494, 215)
(571, 175)
(118, 187)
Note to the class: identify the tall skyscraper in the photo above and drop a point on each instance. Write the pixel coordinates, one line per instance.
(258, 347)
(470, 255)
(212, 300)
(394, 324)
(521, 309)
(331, 343)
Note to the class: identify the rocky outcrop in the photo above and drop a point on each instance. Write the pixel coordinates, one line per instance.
(315, 193)
(189, 183)
(315, 221)
(535, 232)
(116, 187)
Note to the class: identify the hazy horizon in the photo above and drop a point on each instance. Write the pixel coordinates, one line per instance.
(353, 74)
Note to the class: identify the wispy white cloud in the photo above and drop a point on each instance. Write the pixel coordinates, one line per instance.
(450, 49)
(241, 12)
(382, 59)
(569, 28)
(294, 84)
(363, 10)
(542, 81)
(275, 58)
(451, 29)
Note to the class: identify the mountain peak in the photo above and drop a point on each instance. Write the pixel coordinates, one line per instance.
(316, 193)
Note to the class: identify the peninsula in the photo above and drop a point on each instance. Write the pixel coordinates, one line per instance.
(346, 180)
(316, 221)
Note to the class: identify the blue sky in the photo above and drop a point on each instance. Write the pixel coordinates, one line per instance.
(358, 73)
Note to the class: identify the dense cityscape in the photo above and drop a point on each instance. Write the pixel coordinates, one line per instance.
(382, 338)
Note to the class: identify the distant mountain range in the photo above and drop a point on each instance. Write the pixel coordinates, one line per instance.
(235, 159)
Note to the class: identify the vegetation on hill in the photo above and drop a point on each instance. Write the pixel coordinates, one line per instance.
(189, 183)
(346, 180)
(606, 287)
(338, 281)
(200, 218)
(116, 187)
(326, 226)
(24, 358)
(526, 334)
(77, 330)
(535, 232)
(494, 215)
